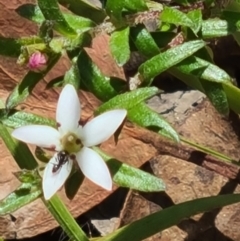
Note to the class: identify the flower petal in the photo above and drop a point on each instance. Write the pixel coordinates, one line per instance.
(43, 136)
(68, 109)
(53, 181)
(94, 168)
(102, 127)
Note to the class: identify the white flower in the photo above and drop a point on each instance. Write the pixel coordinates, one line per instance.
(74, 140)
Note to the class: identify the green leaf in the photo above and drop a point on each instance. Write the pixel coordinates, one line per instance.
(25, 87)
(72, 76)
(33, 13)
(119, 45)
(101, 86)
(12, 47)
(144, 41)
(213, 28)
(190, 80)
(19, 150)
(15, 119)
(203, 69)
(115, 8)
(143, 116)
(134, 178)
(29, 190)
(217, 96)
(85, 9)
(174, 16)
(169, 58)
(233, 95)
(196, 17)
(128, 100)
(51, 11)
(161, 220)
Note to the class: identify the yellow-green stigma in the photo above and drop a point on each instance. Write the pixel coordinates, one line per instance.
(71, 143)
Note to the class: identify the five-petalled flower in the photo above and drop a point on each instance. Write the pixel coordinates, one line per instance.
(74, 139)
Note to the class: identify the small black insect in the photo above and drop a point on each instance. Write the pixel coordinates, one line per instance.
(62, 158)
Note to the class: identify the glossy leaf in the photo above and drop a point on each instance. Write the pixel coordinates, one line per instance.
(143, 116)
(115, 8)
(119, 45)
(15, 119)
(72, 75)
(143, 41)
(134, 178)
(29, 190)
(33, 13)
(161, 62)
(203, 69)
(217, 96)
(233, 95)
(101, 86)
(196, 17)
(51, 12)
(85, 9)
(128, 100)
(12, 47)
(25, 87)
(213, 28)
(163, 219)
(174, 16)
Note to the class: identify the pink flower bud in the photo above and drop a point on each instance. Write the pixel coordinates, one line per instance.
(37, 62)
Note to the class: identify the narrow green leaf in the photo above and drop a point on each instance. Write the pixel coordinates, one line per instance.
(85, 9)
(213, 28)
(189, 80)
(144, 41)
(169, 58)
(157, 222)
(15, 119)
(128, 100)
(22, 196)
(101, 86)
(233, 95)
(196, 17)
(119, 45)
(33, 13)
(217, 96)
(51, 11)
(115, 8)
(12, 47)
(19, 150)
(142, 115)
(134, 178)
(25, 87)
(203, 69)
(174, 16)
(72, 76)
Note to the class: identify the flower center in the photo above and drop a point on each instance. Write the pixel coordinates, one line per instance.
(71, 143)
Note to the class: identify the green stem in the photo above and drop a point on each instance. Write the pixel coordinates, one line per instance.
(65, 219)
(210, 151)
